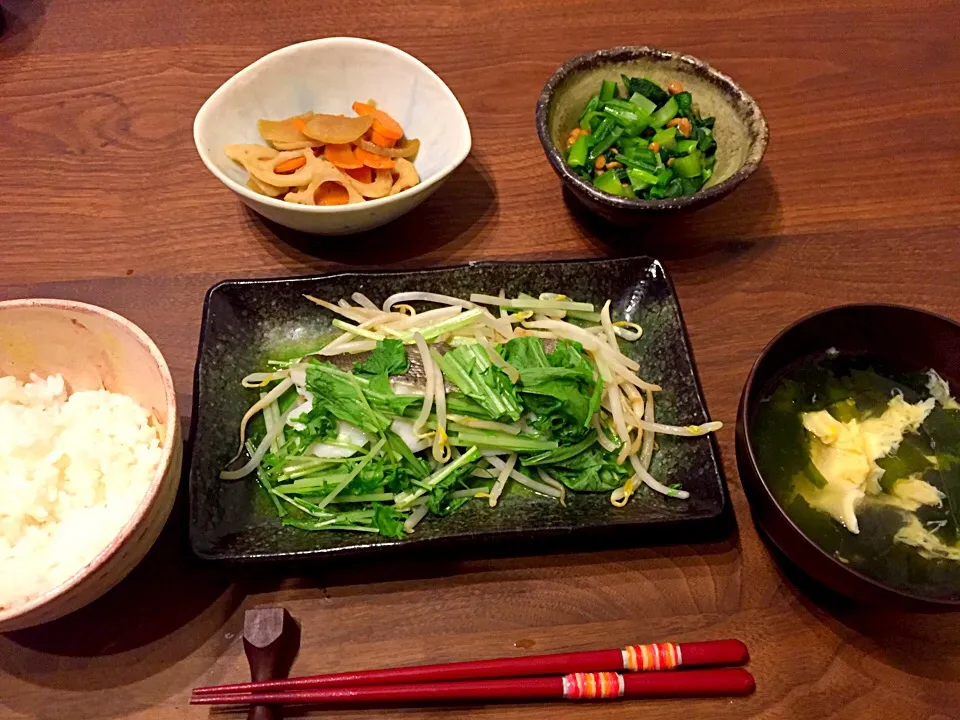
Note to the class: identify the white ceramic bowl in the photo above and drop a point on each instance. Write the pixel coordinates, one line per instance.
(92, 348)
(327, 76)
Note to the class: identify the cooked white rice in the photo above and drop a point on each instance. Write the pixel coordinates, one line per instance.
(73, 469)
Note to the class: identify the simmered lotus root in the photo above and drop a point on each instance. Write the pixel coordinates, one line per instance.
(323, 171)
(406, 176)
(407, 150)
(246, 154)
(263, 170)
(265, 189)
(331, 193)
(379, 188)
(337, 129)
(328, 160)
(289, 130)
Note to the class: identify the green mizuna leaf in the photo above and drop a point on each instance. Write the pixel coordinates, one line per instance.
(469, 368)
(339, 393)
(389, 357)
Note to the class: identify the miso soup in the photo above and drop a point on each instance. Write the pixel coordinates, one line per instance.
(866, 462)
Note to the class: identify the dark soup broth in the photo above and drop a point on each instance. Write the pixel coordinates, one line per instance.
(865, 459)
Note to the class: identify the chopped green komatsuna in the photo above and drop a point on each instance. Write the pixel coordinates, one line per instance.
(664, 114)
(591, 121)
(601, 146)
(637, 179)
(633, 120)
(642, 176)
(646, 88)
(631, 162)
(687, 166)
(601, 132)
(684, 102)
(666, 138)
(578, 152)
(608, 90)
(628, 126)
(648, 106)
(590, 107)
(609, 183)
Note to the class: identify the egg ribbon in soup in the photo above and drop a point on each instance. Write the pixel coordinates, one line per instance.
(842, 440)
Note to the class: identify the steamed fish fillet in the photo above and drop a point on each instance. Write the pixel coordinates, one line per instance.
(412, 382)
(350, 438)
(347, 434)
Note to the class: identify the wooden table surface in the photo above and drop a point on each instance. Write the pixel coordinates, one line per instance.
(103, 199)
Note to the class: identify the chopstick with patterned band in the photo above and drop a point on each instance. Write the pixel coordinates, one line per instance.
(713, 682)
(633, 658)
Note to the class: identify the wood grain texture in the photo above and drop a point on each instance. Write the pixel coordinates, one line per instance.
(102, 198)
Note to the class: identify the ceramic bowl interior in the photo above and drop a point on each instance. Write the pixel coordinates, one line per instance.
(327, 76)
(93, 348)
(904, 339)
(740, 130)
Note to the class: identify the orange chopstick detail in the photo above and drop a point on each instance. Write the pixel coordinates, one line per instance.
(633, 658)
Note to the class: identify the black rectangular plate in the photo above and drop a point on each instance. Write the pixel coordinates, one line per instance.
(245, 320)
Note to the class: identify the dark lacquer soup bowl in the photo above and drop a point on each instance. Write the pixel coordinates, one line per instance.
(905, 342)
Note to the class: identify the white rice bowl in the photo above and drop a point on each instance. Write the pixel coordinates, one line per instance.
(74, 468)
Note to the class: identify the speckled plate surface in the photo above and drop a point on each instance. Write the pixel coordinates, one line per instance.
(246, 321)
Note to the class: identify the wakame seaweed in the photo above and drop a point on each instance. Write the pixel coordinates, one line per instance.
(854, 389)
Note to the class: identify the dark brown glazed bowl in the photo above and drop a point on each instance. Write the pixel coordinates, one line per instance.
(741, 130)
(910, 340)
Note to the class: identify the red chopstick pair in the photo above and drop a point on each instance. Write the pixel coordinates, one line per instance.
(592, 675)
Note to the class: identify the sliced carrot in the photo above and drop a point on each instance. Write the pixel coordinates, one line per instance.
(363, 109)
(290, 165)
(331, 193)
(382, 141)
(378, 162)
(386, 125)
(342, 156)
(362, 174)
(299, 124)
(383, 124)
